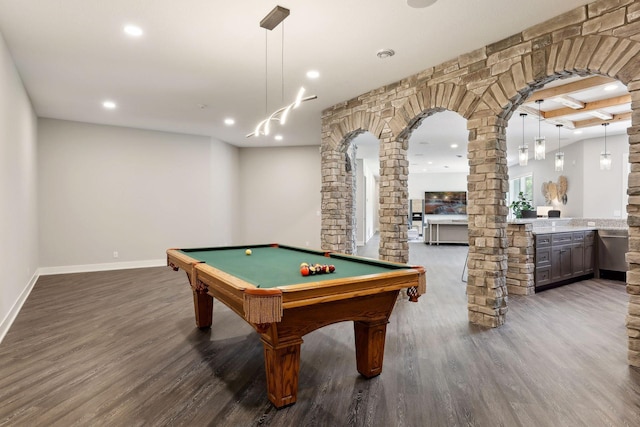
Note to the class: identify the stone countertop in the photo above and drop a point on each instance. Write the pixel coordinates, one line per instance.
(560, 225)
(561, 229)
(540, 221)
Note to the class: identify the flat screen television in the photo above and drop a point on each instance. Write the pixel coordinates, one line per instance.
(445, 202)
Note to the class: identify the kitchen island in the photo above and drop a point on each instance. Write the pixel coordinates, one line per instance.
(545, 253)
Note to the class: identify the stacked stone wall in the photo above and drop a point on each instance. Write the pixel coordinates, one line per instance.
(520, 274)
(485, 86)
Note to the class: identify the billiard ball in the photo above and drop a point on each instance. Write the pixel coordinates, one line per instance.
(332, 268)
(304, 270)
(248, 252)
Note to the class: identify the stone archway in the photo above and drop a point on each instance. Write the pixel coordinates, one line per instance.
(617, 58)
(484, 86)
(392, 127)
(338, 180)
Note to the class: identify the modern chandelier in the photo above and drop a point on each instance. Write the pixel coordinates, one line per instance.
(269, 22)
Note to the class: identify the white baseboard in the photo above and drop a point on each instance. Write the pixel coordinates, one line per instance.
(46, 271)
(13, 312)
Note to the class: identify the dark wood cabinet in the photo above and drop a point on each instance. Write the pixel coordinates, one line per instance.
(561, 263)
(561, 257)
(589, 252)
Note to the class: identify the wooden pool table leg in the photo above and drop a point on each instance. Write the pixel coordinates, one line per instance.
(282, 365)
(370, 339)
(203, 305)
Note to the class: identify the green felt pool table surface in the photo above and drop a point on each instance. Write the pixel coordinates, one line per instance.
(270, 266)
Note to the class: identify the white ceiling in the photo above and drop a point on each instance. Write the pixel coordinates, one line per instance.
(72, 55)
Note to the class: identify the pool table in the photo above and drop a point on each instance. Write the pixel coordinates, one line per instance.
(267, 290)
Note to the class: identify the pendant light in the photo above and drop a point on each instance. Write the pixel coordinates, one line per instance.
(559, 154)
(523, 150)
(605, 156)
(269, 22)
(539, 142)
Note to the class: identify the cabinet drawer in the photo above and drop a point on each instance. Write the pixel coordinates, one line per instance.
(543, 240)
(561, 238)
(543, 276)
(577, 236)
(543, 257)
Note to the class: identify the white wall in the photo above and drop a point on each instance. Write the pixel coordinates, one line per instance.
(372, 198)
(421, 182)
(591, 193)
(18, 192)
(604, 192)
(280, 196)
(137, 192)
(361, 208)
(367, 202)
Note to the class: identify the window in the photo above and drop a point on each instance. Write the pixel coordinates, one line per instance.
(516, 185)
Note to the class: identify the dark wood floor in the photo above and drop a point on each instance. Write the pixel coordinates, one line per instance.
(121, 349)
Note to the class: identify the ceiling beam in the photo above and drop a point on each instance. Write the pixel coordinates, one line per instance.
(588, 106)
(576, 86)
(594, 122)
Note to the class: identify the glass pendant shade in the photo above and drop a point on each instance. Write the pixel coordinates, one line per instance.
(605, 156)
(523, 150)
(559, 154)
(559, 161)
(605, 161)
(540, 147)
(523, 155)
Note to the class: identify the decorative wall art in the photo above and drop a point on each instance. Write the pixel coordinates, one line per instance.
(555, 193)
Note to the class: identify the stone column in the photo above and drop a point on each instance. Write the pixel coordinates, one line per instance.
(334, 197)
(520, 262)
(350, 232)
(394, 201)
(487, 210)
(633, 256)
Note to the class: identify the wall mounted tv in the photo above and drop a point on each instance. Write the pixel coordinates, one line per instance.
(445, 202)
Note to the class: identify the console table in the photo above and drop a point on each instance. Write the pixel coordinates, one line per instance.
(446, 230)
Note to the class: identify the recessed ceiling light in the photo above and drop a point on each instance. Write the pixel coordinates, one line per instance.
(602, 115)
(313, 74)
(229, 121)
(278, 137)
(133, 30)
(110, 105)
(459, 155)
(385, 53)
(419, 4)
(454, 145)
(611, 87)
(429, 163)
(577, 132)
